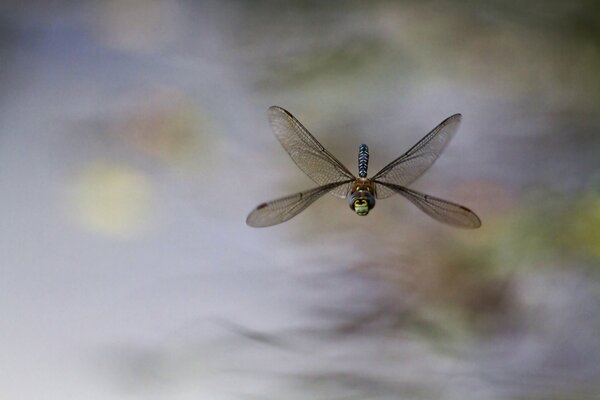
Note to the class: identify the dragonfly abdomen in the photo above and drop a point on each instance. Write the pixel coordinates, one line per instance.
(363, 160)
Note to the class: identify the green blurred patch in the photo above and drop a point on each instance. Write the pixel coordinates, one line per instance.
(342, 61)
(470, 292)
(564, 227)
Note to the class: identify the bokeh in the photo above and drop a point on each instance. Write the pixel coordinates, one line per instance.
(134, 141)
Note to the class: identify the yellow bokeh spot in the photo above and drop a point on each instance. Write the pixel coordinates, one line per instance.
(113, 199)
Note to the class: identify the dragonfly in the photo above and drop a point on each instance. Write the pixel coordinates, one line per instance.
(360, 192)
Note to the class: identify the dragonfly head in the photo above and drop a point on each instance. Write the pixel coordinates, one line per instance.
(361, 207)
(361, 201)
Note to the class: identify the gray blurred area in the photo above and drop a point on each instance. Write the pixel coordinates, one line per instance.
(134, 141)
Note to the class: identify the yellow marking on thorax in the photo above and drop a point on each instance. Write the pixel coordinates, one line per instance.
(363, 184)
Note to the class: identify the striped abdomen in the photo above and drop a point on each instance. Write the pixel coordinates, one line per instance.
(363, 160)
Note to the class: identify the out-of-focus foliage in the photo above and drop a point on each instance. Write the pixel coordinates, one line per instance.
(560, 227)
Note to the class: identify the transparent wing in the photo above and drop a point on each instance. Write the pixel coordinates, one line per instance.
(407, 168)
(277, 211)
(439, 209)
(308, 154)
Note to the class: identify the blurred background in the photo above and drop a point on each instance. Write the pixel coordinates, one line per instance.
(134, 141)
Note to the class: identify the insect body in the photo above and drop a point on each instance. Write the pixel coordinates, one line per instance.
(362, 196)
(361, 193)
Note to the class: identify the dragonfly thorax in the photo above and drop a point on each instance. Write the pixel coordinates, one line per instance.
(362, 196)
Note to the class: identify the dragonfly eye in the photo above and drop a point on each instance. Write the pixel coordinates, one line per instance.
(361, 201)
(361, 207)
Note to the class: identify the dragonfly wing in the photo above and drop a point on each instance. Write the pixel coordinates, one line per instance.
(408, 167)
(439, 209)
(308, 154)
(277, 211)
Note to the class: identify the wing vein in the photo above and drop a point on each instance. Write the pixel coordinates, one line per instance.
(280, 210)
(306, 151)
(439, 209)
(407, 168)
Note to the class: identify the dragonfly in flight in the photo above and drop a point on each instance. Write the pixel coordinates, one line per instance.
(362, 192)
